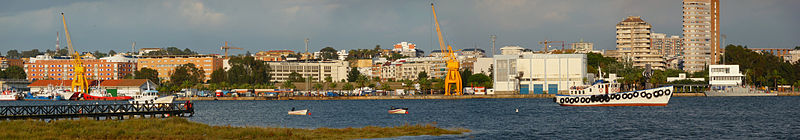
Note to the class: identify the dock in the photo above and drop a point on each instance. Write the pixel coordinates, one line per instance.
(97, 111)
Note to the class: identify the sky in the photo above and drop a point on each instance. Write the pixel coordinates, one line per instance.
(352, 24)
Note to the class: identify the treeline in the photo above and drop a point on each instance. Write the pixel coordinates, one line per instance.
(763, 69)
(633, 75)
(171, 51)
(13, 72)
(245, 72)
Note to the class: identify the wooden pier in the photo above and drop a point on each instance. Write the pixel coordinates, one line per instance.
(97, 111)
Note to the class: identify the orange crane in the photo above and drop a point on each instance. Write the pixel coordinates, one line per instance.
(547, 43)
(453, 76)
(226, 48)
(79, 83)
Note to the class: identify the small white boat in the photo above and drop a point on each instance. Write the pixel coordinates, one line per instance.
(299, 112)
(398, 111)
(9, 95)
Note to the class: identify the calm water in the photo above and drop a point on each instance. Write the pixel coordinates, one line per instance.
(684, 118)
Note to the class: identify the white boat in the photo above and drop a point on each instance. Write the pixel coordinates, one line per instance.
(398, 111)
(9, 95)
(607, 93)
(299, 112)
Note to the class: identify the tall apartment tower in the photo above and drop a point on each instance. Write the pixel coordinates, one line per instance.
(701, 34)
(633, 43)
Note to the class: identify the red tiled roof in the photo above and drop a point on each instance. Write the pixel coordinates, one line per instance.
(111, 83)
(44, 83)
(123, 82)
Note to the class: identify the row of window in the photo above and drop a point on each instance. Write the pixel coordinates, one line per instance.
(88, 74)
(155, 61)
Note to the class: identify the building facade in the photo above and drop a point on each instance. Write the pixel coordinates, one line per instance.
(538, 73)
(62, 69)
(667, 46)
(317, 70)
(701, 34)
(166, 64)
(273, 55)
(5, 62)
(407, 49)
(582, 47)
(633, 43)
(724, 75)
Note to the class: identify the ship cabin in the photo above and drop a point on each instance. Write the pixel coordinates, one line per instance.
(599, 87)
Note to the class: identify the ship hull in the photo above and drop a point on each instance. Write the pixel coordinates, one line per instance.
(648, 97)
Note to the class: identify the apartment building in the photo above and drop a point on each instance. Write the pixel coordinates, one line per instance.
(633, 43)
(50, 68)
(5, 62)
(166, 64)
(273, 55)
(317, 70)
(701, 34)
(407, 49)
(582, 47)
(667, 46)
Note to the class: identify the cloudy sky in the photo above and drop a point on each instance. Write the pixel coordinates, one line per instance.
(350, 24)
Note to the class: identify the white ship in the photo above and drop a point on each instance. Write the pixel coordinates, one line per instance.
(607, 93)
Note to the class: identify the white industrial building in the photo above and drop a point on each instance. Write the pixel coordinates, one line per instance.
(540, 73)
(724, 75)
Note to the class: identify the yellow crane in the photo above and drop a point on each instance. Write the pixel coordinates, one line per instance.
(79, 83)
(548, 42)
(226, 48)
(453, 76)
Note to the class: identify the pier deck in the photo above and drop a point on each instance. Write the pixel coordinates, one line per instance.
(108, 111)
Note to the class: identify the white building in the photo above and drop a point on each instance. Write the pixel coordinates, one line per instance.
(724, 75)
(541, 73)
(318, 70)
(406, 49)
(582, 47)
(483, 65)
(511, 50)
(342, 54)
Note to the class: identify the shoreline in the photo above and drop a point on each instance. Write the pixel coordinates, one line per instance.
(421, 97)
(181, 128)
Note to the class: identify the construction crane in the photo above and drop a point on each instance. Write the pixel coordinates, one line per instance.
(226, 48)
(547, 44)
(453, 76)
(79, 83)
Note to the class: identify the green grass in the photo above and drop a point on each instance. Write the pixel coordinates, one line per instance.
(180, 128)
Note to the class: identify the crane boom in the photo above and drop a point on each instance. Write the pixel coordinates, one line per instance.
(438, 30)
(453, 75)
(79, 83)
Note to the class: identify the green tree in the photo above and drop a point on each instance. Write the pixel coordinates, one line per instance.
(384, 86)
(13, 54)
(14, 72)
(317, 86)
(147, 73)
(328, 53)
(347, 86)
(187, 75)
(332, 86)
(296, 77)
(328, 79)
(480, 80)
(112, 53)
(422, 75)
(353, 75)
(288, 84)
(218, 76)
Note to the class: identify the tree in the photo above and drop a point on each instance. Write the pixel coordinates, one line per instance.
(14, 72)
(317, 86)
(296, 77)
(147, 73)
(422, 76)
(384, 86)
(218, 76)
(353, 75)
(465, 77)
(112, 53)
(480, 80)
(332, 86)
(187, 75)
(328, 79)
(31, 53)
(288, 84)
(14, 54)
(99, 54)
(246, 69)
(328, 53)
(347, 86)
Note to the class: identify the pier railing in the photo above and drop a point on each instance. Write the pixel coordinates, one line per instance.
(96, 111)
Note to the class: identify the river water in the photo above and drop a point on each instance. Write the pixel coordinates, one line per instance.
(683, 118)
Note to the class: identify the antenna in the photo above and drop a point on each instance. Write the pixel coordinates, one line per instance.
(58, 42)
(133, 47)
(494, 37)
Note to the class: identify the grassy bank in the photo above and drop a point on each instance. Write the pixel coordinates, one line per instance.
(180, 128)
